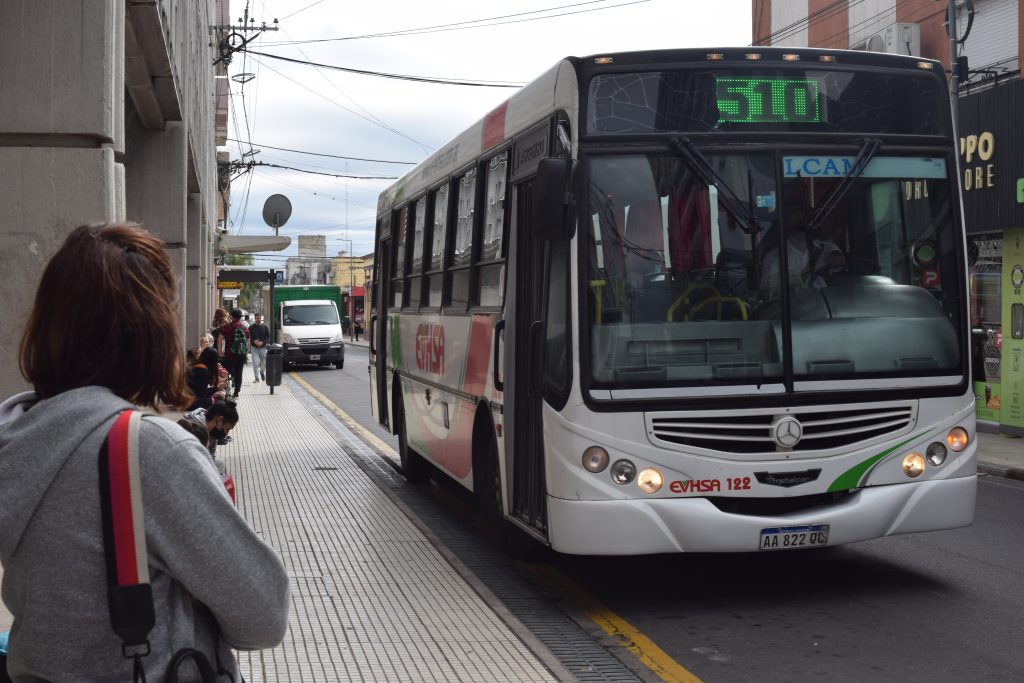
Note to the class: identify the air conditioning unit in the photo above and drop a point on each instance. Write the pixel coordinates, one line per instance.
(897, 39)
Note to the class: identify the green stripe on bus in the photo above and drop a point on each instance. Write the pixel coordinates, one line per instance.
(851, 478)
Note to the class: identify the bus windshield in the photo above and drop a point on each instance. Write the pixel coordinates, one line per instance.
(687, 267)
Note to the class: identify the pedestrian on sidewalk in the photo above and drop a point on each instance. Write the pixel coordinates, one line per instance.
(220, 319)
(202, 380)
(259, 336)
(234, 345)
(215, 583)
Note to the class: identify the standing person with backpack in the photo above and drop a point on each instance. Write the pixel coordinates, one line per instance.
(234, 345)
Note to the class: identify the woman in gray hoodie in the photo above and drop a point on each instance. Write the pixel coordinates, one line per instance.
(102, 338)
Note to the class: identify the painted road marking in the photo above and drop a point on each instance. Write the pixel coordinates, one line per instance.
(346, 419)
(641, 647)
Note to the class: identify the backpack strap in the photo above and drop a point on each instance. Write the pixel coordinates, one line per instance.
(129, 595)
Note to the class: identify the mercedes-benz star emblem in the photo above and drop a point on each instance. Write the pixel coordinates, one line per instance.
(787, 431)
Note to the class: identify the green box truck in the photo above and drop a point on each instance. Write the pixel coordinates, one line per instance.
(307, 323)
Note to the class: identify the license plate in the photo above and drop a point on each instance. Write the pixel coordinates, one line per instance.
(314, 356)
(786, 537)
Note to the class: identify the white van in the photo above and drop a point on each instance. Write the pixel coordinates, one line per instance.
(311, 333)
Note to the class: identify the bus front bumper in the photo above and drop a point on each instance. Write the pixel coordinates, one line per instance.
(673, 525)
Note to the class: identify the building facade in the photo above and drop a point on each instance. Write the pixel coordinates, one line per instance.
(991, 146)
(108, 113)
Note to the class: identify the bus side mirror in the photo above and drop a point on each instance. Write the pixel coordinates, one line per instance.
(555, 205)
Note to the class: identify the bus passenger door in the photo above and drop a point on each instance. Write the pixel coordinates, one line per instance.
(525, 439)
(378, 330)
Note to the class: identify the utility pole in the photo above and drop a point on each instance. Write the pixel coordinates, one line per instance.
(235, 39)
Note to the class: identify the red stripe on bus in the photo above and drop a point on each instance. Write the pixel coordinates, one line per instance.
(478, 355)
(121, 502)
(494, 126)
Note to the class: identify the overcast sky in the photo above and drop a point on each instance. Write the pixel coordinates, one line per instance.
(300, 107)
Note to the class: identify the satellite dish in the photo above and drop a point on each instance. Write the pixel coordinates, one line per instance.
(277, 210)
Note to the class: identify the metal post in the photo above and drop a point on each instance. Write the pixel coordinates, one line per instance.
(270, 313)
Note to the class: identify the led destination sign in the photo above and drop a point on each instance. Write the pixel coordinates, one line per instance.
(767, 100)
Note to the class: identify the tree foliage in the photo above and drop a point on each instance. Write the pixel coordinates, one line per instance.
(251, 291)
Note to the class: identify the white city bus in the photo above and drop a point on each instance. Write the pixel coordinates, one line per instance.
(578, 310)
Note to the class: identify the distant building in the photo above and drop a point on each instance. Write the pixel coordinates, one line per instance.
(311, 266)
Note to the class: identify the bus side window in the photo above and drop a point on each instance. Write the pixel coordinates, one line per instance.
(460, 250)
(414, 283)
(398, 270)
(436, 244)
(491, 266)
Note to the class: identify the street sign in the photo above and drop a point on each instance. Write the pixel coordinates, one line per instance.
(221, 284)
(280, 276)
(230, 274)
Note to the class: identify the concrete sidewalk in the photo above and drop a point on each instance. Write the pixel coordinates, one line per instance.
(372, 598)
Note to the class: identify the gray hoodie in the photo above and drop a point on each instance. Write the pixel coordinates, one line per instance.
(208, 568)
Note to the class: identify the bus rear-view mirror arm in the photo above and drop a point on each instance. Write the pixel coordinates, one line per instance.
(556, 201)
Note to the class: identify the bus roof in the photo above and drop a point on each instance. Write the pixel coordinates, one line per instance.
(558, 89)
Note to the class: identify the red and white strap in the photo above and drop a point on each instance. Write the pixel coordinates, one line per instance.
(125, 489)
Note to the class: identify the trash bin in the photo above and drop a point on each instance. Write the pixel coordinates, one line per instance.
(275, 365)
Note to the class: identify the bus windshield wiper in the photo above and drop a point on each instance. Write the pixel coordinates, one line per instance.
(743, 212)
(869, 147)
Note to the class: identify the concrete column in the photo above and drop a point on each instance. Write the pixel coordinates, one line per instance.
(156, 192)
(194, 314)
(47, 193)
(61, 68)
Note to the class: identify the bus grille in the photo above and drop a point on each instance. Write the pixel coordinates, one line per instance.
(824, 428)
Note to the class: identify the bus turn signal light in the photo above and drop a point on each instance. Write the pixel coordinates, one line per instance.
(957, 439)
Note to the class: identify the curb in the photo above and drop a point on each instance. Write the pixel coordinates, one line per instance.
(1001, 471)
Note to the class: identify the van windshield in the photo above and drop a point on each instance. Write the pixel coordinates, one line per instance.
(316, 314)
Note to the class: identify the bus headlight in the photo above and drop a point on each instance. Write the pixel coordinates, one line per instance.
(957, 439)
(623, 472)
(936, 454)
(650, 480)
(913, 464)
(595, 459)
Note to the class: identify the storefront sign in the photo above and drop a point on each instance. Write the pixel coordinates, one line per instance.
(991, 150)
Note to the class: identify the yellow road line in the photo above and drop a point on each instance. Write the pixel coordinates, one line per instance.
(642, 647)
(345, 418)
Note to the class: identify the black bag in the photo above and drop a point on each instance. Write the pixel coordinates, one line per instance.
(4, 678)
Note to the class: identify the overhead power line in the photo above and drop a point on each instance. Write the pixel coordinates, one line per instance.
(251, 164)
(475, 23)
(401, 77)
(331, 156)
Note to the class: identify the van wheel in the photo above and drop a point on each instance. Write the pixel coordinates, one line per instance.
(415, 467)
(340, 364)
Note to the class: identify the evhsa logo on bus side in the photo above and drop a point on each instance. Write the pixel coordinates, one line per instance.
(430, 348)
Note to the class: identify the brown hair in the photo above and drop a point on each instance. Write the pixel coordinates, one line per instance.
(110, 293)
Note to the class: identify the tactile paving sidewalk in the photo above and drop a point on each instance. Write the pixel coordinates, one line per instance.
(372, 599)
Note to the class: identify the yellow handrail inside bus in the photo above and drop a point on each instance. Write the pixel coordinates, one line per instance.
(721, 300)
(684, 298)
